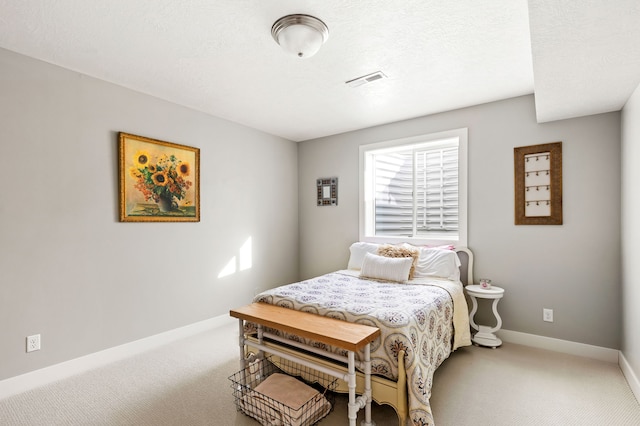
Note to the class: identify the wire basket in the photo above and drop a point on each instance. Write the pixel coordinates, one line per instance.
(292, 395)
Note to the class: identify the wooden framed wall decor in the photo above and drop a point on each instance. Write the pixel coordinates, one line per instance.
(538, 184)
(159, 181)
(327, 190)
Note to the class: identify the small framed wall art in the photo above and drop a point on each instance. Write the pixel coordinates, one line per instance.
(327, 191)
(159, 181)
(538, 184)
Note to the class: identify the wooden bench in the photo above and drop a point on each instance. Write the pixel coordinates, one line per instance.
(345, 335)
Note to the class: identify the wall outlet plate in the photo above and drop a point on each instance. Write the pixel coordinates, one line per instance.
(33, 343)
(547, 315)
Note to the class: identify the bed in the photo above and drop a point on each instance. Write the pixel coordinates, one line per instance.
(422, 319)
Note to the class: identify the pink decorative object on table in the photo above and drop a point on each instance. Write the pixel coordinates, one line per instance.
(485, 283)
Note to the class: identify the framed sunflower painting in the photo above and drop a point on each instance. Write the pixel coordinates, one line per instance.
(159, 181)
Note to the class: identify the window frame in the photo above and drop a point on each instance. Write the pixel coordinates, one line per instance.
(366, 204)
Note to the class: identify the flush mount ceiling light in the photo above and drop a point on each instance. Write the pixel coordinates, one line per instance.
(300, 35)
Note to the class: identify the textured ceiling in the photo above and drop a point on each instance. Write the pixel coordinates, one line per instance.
(586, 55)
(218, 56)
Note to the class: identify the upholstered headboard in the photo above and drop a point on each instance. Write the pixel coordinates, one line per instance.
(466, 269)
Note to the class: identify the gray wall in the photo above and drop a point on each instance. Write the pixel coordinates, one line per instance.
(86, 282)
(573, 268)
(631, 231)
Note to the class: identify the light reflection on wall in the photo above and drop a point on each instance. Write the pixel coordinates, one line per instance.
(241, 262)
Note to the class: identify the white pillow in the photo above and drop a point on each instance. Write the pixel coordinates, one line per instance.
(437, 262)
(358, 250)
(386, 268)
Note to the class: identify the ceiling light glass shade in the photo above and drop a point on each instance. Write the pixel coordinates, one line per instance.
(300, 35)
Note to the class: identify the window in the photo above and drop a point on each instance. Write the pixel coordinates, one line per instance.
(415, 189)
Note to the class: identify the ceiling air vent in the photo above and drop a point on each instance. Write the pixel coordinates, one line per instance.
(366, 79)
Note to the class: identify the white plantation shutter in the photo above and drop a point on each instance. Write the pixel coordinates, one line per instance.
(413, 189)
(416, 192)
(437, 191)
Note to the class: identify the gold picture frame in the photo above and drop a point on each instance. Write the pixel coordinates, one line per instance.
(159, 181)
(538, 184)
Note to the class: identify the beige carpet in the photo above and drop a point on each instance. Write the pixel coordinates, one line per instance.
(185, 383)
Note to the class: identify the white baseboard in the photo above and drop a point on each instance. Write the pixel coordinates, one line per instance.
(557, 345)
(630, 375)
(37, 378)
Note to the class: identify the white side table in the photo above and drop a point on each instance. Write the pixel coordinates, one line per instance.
(485, 335)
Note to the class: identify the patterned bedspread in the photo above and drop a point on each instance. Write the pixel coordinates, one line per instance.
(420, 318)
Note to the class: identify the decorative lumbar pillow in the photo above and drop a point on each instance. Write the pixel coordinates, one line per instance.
(438, 262)
(358, 250)
(388, 250)
(386, 268)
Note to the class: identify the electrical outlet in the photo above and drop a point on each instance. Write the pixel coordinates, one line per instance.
(547, 315)
(33, 343)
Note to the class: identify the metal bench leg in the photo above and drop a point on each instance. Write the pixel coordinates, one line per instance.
(243, 363)
(353, 406)
(367, 386)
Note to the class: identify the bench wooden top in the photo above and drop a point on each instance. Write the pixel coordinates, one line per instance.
(335, 332)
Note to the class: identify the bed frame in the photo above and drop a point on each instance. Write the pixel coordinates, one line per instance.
(383, 390)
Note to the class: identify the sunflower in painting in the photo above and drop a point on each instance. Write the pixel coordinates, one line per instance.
(141, 158)
(163, 180)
